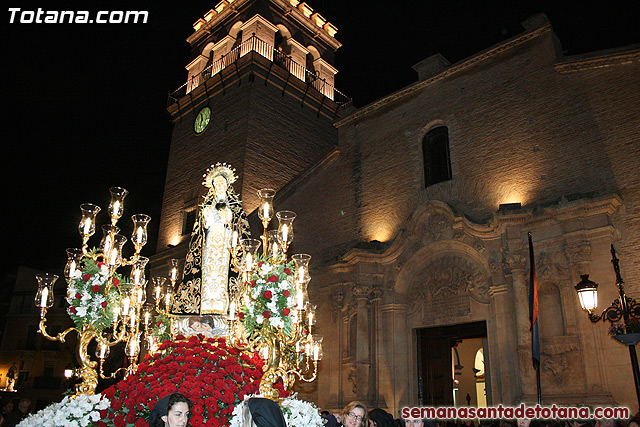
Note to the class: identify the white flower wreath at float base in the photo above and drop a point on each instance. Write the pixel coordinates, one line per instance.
(297, 413)
(82, 411)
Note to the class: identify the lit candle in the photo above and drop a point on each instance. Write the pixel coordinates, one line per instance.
(158, 291)
(103, 351)
(300, 298)
(140, 235)
(133, 320)
(43, 298)
(140, 295)
(174, 274)
(114, 256)
(125, 306)
(266, 210)
(167, 300)
(234, 239)
(116, 208)
(316, 351)
(87, 226)
(285, 232)
(232, 310)
(146, 317)
(136, 277)
(249, 262)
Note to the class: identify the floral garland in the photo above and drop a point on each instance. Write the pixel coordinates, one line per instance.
(618, 328)
(271, 297)
(213, 375)
(90, 297)
(82, 411)
(297, 413)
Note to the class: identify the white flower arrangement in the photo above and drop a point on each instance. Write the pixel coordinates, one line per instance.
(82, 411)
(297, 413)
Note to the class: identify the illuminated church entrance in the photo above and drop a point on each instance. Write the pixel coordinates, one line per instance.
(452, 365)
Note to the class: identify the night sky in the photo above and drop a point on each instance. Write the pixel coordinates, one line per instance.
(85, 103)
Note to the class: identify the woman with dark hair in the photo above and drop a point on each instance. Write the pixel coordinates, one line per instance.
(262, 412)
(173, 410)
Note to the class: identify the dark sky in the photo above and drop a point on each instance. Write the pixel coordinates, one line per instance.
(85, 103)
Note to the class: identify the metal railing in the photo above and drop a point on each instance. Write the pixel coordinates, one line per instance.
(279, 58)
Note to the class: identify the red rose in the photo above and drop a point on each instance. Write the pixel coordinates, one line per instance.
(266, 314)
(285, 311)
(287, 271)
(241, 315)
(272, 278)
(160, 323)
(104, 304)
(267, 294)
(86, 277)
(72, 309)
(116, 281)
(119, 421)
(95, 288)
(286, 293)
(260, 264)
(253, 283)
(78, 296)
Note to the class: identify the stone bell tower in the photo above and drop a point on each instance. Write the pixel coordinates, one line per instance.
(259, 96)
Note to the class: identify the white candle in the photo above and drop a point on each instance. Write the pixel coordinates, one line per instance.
(158, 290)
(114, 256)
(300, 298)
(136, 277)
(232, 310)
(285, 233)
(116, 313)
(234, 239)
(116, 208)
(249, 262)
(146, 317)
(125, 306)
(266, 210)
(87, 226)
(43, 298)
(72, 268)
(140, 235)
(316, 351)
(103, 351)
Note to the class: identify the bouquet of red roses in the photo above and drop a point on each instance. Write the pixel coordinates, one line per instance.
(213, 375)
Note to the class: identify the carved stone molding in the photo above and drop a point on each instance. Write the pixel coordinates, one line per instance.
(498, 289)
(436, 227)
(578, 252)
(557, 366)
(549, 270)
(336, 301)
(514, 261)
(452, 275)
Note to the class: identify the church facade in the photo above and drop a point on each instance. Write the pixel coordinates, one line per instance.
(416, 208)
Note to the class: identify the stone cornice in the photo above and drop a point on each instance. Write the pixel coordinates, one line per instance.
(457, 68)
(600, 60)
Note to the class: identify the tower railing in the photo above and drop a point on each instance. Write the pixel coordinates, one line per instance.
(279, 58)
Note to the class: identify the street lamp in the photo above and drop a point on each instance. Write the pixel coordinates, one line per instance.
(623, 308)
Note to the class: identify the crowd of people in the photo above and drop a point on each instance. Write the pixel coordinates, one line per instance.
(10, 416)
(174, 410)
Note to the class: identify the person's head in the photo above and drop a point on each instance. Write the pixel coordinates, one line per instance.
(171, 411)
(634, 421)
(7, 406)
(201, 324)
(355, 415)
(220, 185)
(262, 412)
(24, 405)
(413, 422)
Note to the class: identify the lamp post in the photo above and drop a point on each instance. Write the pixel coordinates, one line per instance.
(623, 308)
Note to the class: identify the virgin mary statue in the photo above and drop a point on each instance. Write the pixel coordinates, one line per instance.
(208, 272)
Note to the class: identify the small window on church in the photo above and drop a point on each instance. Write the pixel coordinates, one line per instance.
(435, 150)
(189, 221)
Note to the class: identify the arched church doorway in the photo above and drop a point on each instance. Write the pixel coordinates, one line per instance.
(453, 365)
